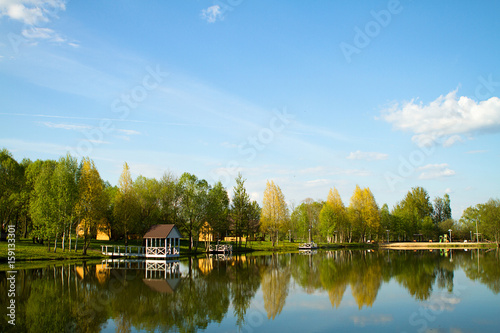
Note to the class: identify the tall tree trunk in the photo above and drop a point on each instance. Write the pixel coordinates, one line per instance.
(55, 242)
(63, 238)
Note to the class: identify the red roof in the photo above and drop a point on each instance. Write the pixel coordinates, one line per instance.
(160, 231)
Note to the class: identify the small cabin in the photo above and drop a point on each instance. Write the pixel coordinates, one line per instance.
(163, 241)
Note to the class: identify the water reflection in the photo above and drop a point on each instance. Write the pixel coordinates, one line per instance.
(190, 295)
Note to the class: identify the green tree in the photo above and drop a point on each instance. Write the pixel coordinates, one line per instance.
(240, 208)
(218, 210)
(11, 182)
(442, 209)
(412, 210)
(489, 213)
(193, 205)
(386, 221)
(254, 219)
(65, 189)
(43, 202)
(470, 220)
(147, 192)
(126, 208)
(170, 198)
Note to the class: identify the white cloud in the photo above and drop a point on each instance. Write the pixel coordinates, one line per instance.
(226, 144)
(128, 132)
(31, 12)
(79, 127)
(368, 156)
(433, 171)
(66, 126)
(43, 33)
(447, 120)
(317, 182)
(212, 14)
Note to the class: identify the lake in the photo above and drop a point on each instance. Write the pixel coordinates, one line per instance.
(325, 291)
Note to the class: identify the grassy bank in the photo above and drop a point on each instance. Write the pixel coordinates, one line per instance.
(27, 251)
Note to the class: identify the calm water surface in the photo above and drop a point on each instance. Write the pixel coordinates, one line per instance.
(389, 291)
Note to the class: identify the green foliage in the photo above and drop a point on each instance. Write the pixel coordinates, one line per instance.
(442, 209)
(240, 209)
(194, 205)
(412, 211)
(126, 205)
(489, 213)
(11, 183)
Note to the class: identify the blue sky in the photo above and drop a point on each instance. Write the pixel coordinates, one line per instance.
(313, 95)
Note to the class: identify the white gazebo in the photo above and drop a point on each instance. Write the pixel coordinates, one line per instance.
(163, 241)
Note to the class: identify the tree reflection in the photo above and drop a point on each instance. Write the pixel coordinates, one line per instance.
(275, 282)
(485, 268)
(82, 298)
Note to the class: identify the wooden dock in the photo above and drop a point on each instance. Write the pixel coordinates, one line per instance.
(123, 251)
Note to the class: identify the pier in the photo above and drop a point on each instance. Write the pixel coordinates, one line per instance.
(123, 251)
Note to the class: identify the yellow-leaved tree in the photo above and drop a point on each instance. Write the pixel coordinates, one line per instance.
(363, 213)
(90, 206)
(274, 214)
(333, 219)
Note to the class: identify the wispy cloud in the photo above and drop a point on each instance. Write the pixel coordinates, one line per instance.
(35, 146)
(433, 171)
(71, 127)
(371, 320)
(212, 14)
(31, 12)
(368, 156)
(35, 14)
(476, 152)
(317, 182)
(226, 144)
(448, 119)
(43, 33)
(126, 133)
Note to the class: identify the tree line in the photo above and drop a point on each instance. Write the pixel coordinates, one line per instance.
(415, 217)
(205, 296)
(52, 200)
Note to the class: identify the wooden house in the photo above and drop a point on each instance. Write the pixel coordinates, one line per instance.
(163, 241)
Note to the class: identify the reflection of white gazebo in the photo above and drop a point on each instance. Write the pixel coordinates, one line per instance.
(163, 241)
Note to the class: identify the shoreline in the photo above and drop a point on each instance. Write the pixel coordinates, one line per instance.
(431, 246)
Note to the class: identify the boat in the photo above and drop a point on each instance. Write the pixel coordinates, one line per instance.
(220, 248)
(308, 246)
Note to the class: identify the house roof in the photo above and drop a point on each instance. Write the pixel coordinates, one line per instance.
(160, 286)
(161, 231)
